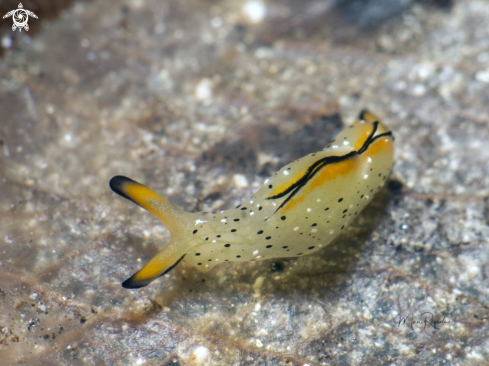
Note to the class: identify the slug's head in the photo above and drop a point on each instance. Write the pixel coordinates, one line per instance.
(174, 219)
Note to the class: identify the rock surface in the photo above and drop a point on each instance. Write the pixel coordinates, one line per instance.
(202, 100)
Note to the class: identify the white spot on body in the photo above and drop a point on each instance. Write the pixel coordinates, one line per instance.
(335, 146)
(309, 210)
(214, 241)
(346, 142)
(255, 252)
(199, 221)
(319, 199)
(223, 220)
(296, 228)
(251, 213)
(286, 172)
(365, 176)
(369, 159)
(314, 230)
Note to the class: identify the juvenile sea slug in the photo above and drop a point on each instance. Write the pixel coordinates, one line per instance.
(297, 211)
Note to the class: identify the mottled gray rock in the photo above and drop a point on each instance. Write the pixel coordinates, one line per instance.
(201, 100)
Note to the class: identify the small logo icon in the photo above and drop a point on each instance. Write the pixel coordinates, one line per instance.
(20, 17)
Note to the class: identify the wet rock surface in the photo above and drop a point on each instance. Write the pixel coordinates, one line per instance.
(201, 101)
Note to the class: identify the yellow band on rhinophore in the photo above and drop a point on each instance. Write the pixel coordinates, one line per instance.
(147, 199)
(160, 264)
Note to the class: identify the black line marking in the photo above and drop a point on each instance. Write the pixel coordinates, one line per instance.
(130, 283)
(294, 188)
(173, 266)
(363, 112)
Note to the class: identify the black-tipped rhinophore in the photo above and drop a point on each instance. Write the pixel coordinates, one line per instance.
(172, 266)
(133, 283)
(130, 283)
(117, 185)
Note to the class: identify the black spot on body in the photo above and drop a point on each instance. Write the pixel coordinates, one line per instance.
(268, 246)
(268, 237)
(283, 218)
(193, 232)
(236, 219)
(341, 199)
(310, 248)
(238, 256)
(233, 230)
(260, 232)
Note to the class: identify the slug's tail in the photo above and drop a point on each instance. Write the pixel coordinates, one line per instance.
(174, 218)
(369, 117)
